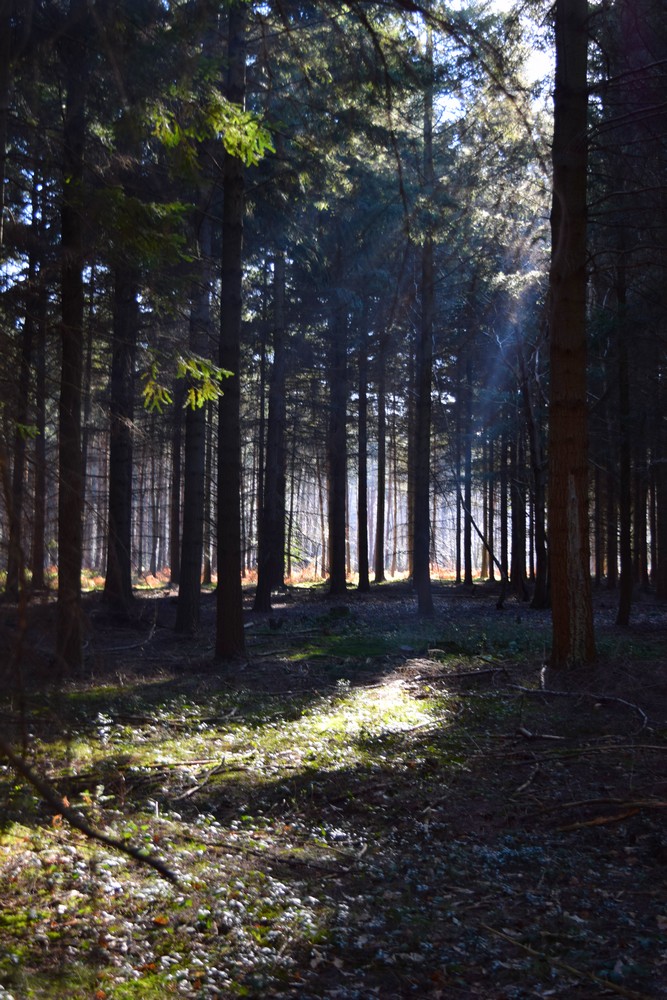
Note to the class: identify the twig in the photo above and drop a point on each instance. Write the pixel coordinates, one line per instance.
(529, 780)
(462, 674)
(425, 725)
(53, 799)
(598, 821)
(196, 788)
(558, 964)
(583, 694)
(578, 803)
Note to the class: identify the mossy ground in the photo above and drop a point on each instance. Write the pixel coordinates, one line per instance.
(370, 806)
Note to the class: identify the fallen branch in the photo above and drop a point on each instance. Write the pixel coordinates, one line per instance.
(195, 788)
(578, 803)
(76, 820)
(598, 821)
(558, 964)
(583, 694)
(529, 780)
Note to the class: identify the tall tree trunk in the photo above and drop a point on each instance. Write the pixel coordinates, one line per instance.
(518, 502)
(490, 530)
(466, 390)
(39, 500)
(380, 514)
(15, 556)
(625, 478)
(421, 545)
(118, 582)
(337, 447)
(611, 520)
(362, 498)
(194, 480)
(271, 554)
(69, 630)
(176, 488)
(6, 9)
(573, 640)
(230, 637)
(538, 469)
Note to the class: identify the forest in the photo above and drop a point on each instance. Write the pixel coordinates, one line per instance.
(333, 493)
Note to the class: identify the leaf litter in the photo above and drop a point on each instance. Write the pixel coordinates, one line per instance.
(346, 818)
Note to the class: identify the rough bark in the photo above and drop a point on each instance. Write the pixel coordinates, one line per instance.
(337, 449)
(230, 637)
(380, 513)
(573, 642)
(421, 544)
(194, 479)
(362, 497)
(271, 553)
(118, 582)
(69, 630)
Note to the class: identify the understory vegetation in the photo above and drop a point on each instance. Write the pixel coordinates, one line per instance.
(369, 805)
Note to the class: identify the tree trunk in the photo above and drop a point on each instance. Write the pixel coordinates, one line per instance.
(15, 555)
(118, 583)
(194, 480)
(421, 545)
(380, 515)
(362, 499)
(39, 500)
(271, 554)
(573, 641)
(518, 503)
(466, 390)
(176, 488)
(625, 478)
(69, 630)
(230, 637)
(337, 447)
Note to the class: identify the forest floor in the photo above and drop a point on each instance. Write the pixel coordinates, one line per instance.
(372, 805)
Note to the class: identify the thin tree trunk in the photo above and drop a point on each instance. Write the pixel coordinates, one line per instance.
(467, 476)
(362, 498)
(15, 582)
(230, 637)
(518, 503)
(337, 448)
(421, 547)
(490, 530)
(39, 500)
(192, 545)
(380, 514)
(69, 631)
(175, 491)
(271, 554)
(118, 582)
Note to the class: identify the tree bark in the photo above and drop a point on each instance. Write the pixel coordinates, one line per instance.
(380, 513)
(421, 543)
(573, 641)
(230, 637)
(337, 448)
(194, 480)
(69, 629)
(362, 497)
(118, 582)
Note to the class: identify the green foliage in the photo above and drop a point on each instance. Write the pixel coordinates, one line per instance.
(195, 119)
(205, 383)
(205, 378)
(155, 395)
